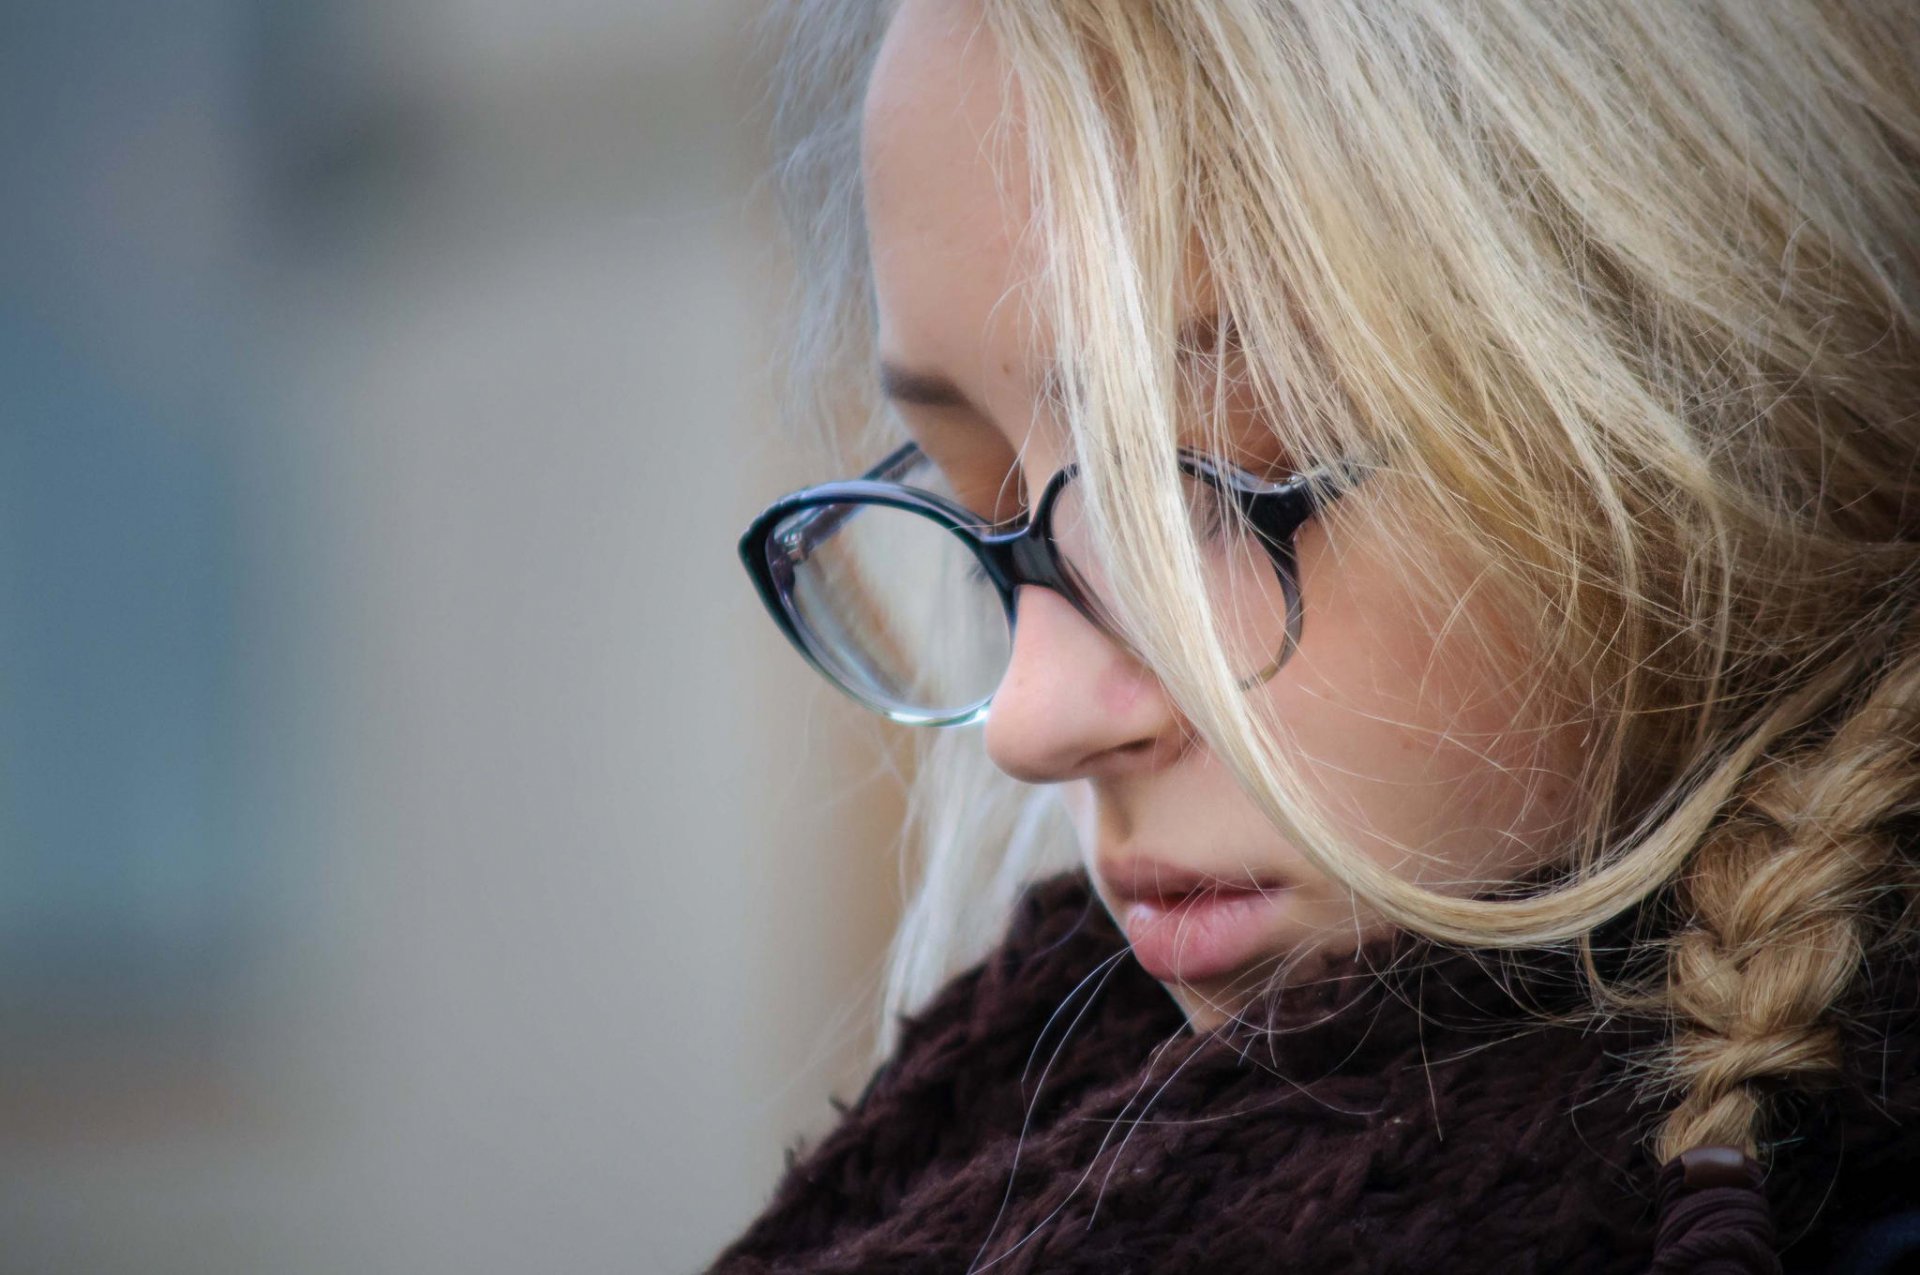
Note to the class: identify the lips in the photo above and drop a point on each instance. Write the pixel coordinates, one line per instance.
(1187, 926)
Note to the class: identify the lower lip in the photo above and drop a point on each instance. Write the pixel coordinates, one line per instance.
(1201, 935)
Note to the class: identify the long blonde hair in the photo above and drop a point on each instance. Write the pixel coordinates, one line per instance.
(1624, 302)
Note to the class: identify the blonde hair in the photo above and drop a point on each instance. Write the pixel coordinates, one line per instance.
(1620, 299)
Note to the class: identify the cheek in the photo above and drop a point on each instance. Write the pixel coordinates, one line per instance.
(1408, 717)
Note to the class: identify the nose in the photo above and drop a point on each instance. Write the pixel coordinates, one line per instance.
(1073, 703)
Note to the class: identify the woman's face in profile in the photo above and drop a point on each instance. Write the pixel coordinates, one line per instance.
(1402, 718)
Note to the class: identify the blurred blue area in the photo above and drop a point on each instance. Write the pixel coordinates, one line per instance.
(121, 884)
(126, 286)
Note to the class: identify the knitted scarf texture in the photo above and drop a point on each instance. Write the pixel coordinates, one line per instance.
(1406, 1109)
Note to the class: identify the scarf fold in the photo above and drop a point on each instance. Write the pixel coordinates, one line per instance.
(1404, 1109)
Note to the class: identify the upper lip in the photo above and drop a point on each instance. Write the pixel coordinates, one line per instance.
(1137, 877)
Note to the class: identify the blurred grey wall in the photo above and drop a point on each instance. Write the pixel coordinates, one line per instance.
(417, 853)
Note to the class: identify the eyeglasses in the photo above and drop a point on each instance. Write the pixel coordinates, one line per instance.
(905, 599)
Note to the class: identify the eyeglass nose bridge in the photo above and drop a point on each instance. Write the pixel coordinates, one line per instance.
(1030, 556)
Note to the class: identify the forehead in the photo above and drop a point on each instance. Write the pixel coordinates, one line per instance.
(946, 186)
(949, 220)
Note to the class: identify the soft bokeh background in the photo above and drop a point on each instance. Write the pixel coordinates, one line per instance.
(417, 853)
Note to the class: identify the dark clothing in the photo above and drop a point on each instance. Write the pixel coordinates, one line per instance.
(1050, 1111)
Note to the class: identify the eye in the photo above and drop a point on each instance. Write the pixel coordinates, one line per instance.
(1207, 513)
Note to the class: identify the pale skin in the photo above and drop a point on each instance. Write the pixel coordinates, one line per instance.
(1406, 727)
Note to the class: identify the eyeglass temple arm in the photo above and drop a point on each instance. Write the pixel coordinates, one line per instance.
(816, 524)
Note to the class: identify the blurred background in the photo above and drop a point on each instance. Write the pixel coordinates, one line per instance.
(417, 852)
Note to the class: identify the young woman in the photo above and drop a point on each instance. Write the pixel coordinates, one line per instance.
(1421, 504)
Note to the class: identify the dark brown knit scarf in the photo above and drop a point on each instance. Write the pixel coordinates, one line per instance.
(1050, 1111)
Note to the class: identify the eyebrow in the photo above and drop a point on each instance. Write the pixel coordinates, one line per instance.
(903, 385)
(1198, 335)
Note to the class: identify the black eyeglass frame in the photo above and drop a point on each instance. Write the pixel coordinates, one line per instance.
(1023, 555)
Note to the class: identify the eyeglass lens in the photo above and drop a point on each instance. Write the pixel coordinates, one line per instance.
(897, 608)
(1253, 603)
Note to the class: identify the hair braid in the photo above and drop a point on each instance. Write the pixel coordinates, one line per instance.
(1781, 899)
